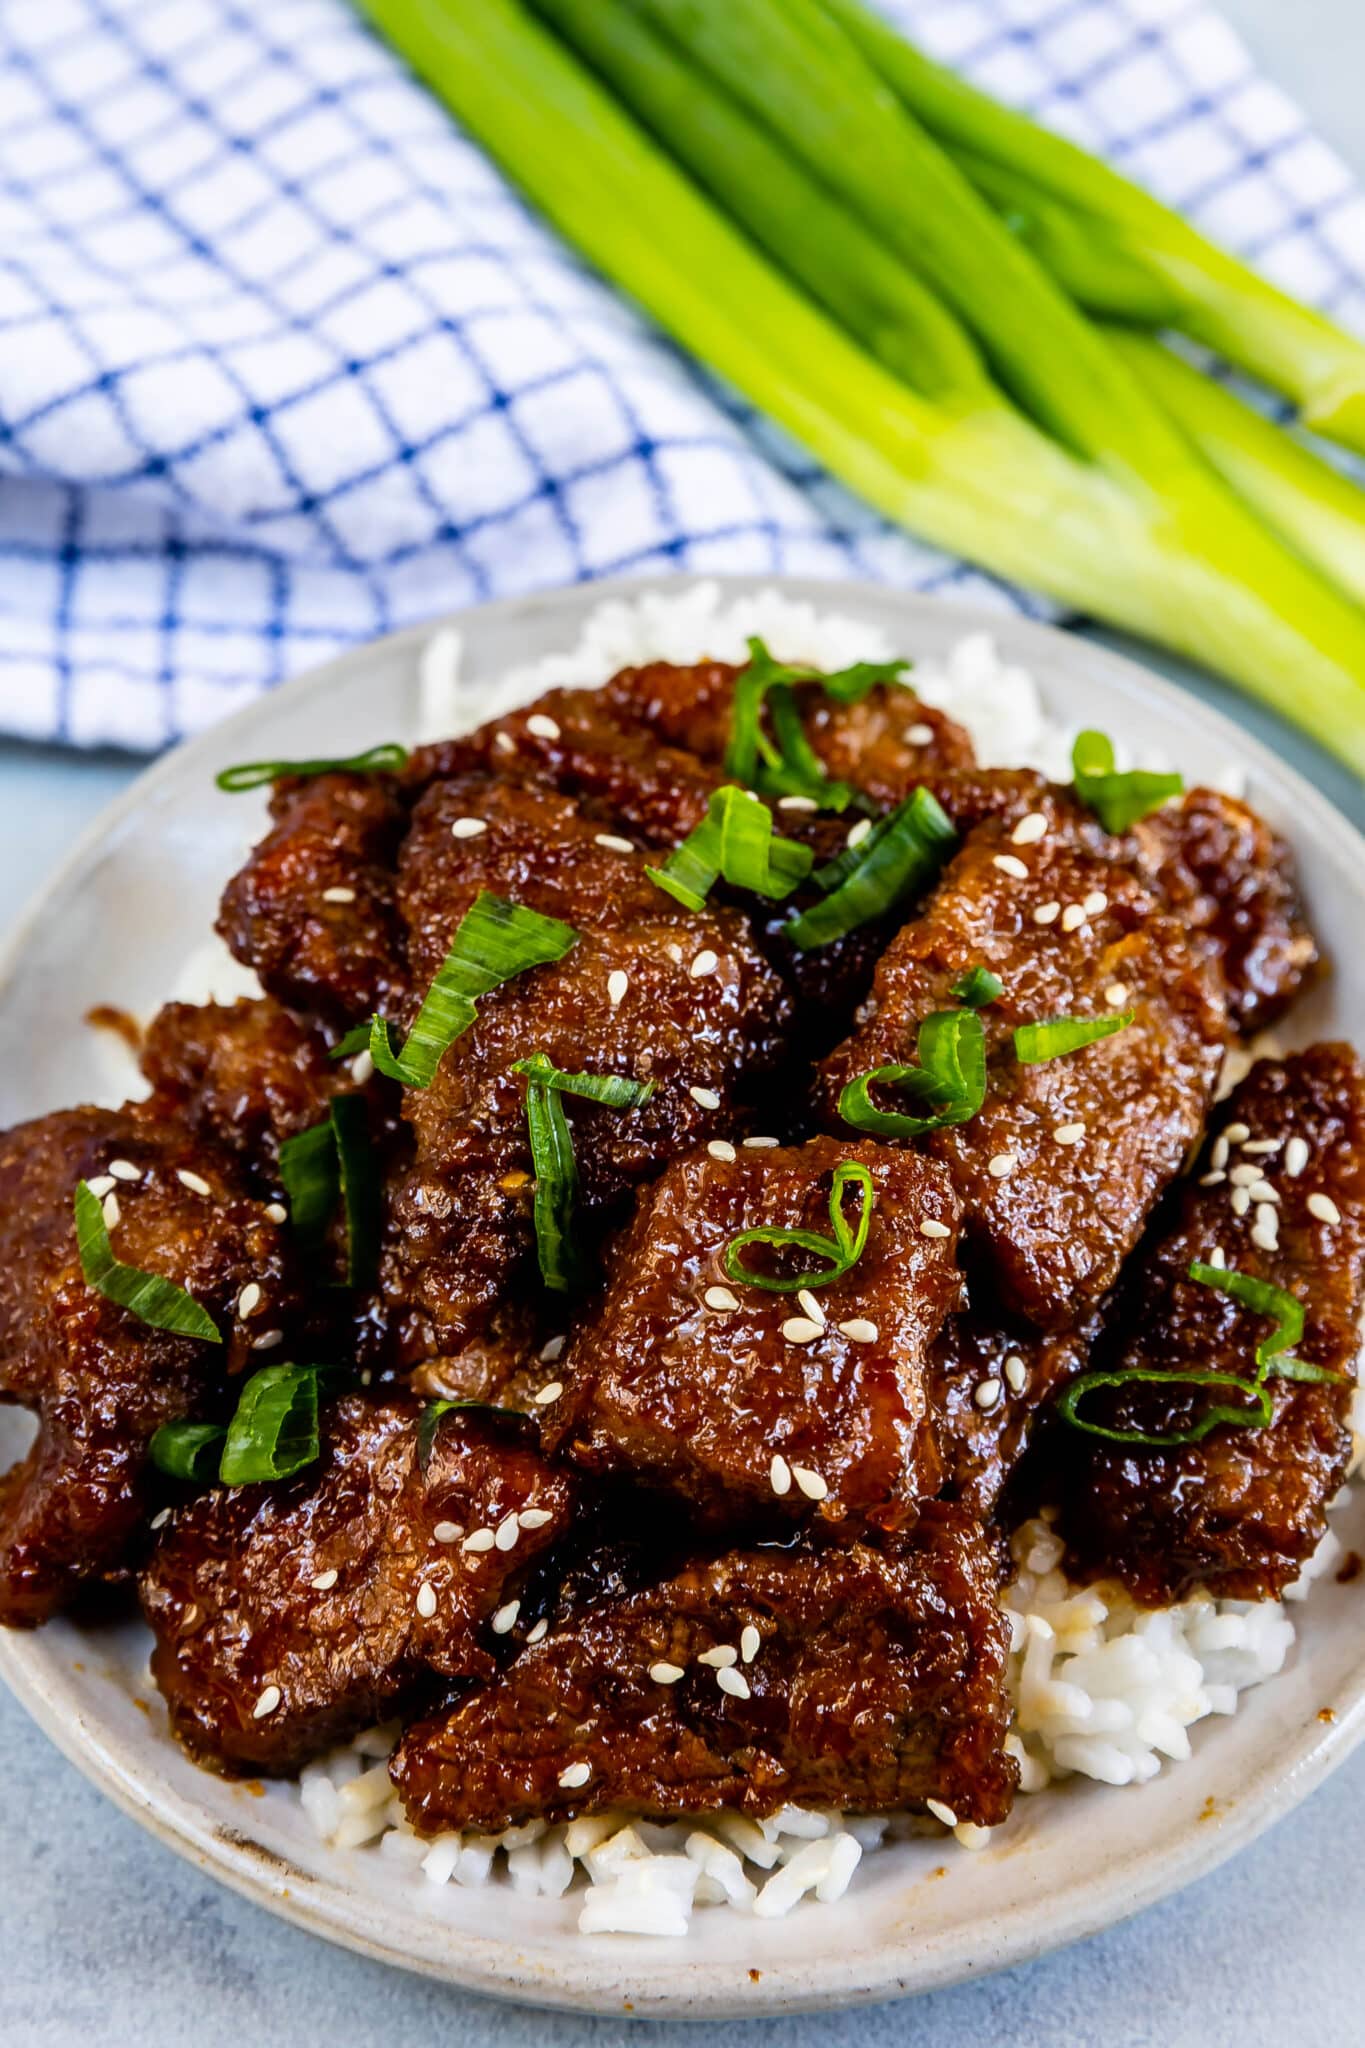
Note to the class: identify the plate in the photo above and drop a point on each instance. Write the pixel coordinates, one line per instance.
(134, 899)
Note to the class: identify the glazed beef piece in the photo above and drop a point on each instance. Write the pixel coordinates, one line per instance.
(731, 1395)
(990, 1382)
(1233, 882)
(1243, 1511)
(648, 990)
(855, 1678)
(100, 1381)
(312, 910)
(288, 1617)
(1060, 1168)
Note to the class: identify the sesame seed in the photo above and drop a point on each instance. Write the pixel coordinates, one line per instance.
(1218, 1257)
(267, 1340)
(539, 1632)
(721, 1300)
(612, 843)
(1212, 1180)
(1243, 1176)
(1016, 1372)
(551, 1349)
(1241, 1201)
(858, 833)
(759, 1144)
(338, 895)
(1047, 913)
(1219, 1154)
(249, 1300)
(544, 728)
(102, 1184)
(674, 953)
(426, 1600)
(733, 1682)
(1262, 1191)
(324, 1581)
(574, 1775)
(919, 735)
(931, 1227)
(800, 1330)
(780, 1475)
(505, 1618)
(859, 1330)
(987, 1395)
(1295, 1157)
(447, 1532)
(1010, 864)
(721, 1148)
(750, 1643)
(468, 828)
(1324, 1208)
(111, 1211)
(548, 1393)
(124, 1169)
(1069, 1134)
(1116, 995)
(1002, 1164)
(195, 1182)
(1266, 1229)
(811, 1483)
(508, 1530)
(362, 1069)
(797, 803)
(160, 1518)
(811, 1306)
(705, 1098)
(482, 1539)
(1095, 902)
(504, 743)
(1234, 1133)
(718, 1659)
(665, 1674)
(704, 963)
(534, 1518)
(1254, 1147)
(1029, 830)
(942, 1812)
(1073, 917)
(266, 1704)
(276, 1212)
(617, 984)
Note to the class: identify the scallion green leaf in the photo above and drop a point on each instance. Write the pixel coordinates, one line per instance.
(842, 1251)
(274, 1432)
(735, 842)
(188, 1450)
(149, 1297)
(1253, 1416)
(950, 1079)
(308, 1168)
(613, 1091)
(429, 1422)
(894, 862)
(977, 987)
(552, 1155)
(1262, 1298)
(387, 757)
(786, 765)
(1054, 1037)
(1118, 801)
(360, 1187)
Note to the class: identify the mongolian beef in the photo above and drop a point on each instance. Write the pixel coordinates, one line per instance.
(709, 1160)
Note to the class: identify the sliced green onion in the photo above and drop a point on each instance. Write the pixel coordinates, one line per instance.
(556, 1171)
(308, 1168)
(1056, 1036)
(360, 1188)
(1261, 1298)
(1118, 801)
(850, 685)
(791, 767)
(950, 1078)
(842, 1251)
(977, 987)
(188, 1450)
(735, 841)
(895, 861)
(493, 941)
(153, 1300)
(614, 1091)
(275, 1430)
(387, 757)
(1255, 1416)
(429, 1422)
(357, 1039)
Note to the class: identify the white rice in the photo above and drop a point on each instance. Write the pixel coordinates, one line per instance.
(1101, 1688)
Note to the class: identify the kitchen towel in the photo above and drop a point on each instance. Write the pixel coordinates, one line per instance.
(285, 363)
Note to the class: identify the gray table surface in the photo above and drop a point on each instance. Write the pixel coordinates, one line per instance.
(106, 1936)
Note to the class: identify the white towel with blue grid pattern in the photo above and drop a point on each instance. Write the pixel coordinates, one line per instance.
(284, 363)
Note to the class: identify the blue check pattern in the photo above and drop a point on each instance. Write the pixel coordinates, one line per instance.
(285, 364)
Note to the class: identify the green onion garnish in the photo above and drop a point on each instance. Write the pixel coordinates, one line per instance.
(787, 765)
(1118, 801)
(188, 1450)
(734, 841)
(842, 1251)
(493, 941)
(429, 1421)
(552, 1155)
(153, 1300)
(1056, 1036)
(275, 1430)
(896, 859)
(308, 1168)
(950, 1078)
(977, 987)
(330, 1159)
(1262, 1298)
(387, 756)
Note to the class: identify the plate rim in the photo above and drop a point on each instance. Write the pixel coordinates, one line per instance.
(500, 1967)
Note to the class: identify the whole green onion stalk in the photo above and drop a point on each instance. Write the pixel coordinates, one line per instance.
(1124, 521)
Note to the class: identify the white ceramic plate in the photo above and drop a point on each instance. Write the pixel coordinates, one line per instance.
(135, 899)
